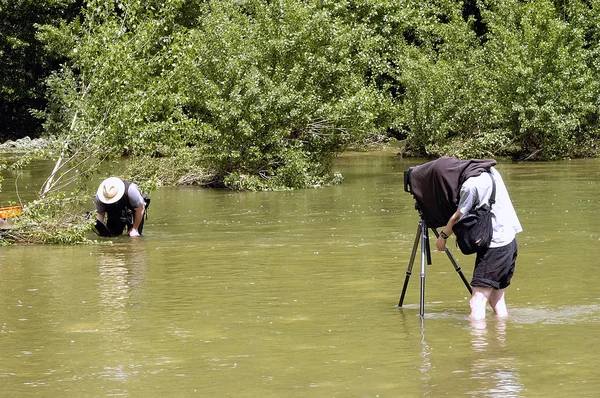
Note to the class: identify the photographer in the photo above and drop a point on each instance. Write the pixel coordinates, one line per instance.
(446, 190)
(495, 265)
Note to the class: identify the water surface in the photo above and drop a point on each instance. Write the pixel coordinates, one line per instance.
(293, 294)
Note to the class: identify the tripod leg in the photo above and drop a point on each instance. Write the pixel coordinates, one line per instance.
(410, 264)
(428, 248)
(424, 258)
(455, 264)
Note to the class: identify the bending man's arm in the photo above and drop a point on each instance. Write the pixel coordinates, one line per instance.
(138, 216)
(440, 243)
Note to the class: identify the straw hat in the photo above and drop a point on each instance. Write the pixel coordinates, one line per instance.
(111, 190)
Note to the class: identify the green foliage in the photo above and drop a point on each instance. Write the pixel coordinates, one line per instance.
(541, 79)
(247, 81)
(257, 94)
(530, 85)
(24, 63)
(267, 92)
(149, 173)
(57, 219)
(442, 79)
(478, 146)
(116, 93)
(275, 92)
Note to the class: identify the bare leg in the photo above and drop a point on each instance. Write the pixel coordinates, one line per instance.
(478, 302)
(498, 304)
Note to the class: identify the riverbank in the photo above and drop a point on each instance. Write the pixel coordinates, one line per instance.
(25, 144)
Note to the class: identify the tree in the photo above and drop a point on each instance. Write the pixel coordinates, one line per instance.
(520, 79)
(541, 78)
(25, 66)
(267, 92)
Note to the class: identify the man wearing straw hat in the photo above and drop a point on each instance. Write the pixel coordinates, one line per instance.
(122, 204)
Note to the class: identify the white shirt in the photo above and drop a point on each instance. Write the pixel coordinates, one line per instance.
(476, 191)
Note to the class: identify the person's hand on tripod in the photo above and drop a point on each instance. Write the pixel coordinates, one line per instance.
(440, 243)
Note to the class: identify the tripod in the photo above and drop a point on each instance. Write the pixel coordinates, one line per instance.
(423, 236)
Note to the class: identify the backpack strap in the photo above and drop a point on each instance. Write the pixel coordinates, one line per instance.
(493, 195)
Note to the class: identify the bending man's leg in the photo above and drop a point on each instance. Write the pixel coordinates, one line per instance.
(478, 302)
(498, 304)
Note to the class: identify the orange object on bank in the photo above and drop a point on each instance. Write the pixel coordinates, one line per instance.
(8, 212)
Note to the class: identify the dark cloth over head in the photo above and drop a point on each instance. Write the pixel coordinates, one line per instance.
(436, 186)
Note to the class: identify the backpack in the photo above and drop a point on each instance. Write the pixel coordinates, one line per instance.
(474, 230)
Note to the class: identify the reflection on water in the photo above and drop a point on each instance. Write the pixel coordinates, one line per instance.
(426, 365)
(270, 294)
(114, 290)
(494, 372)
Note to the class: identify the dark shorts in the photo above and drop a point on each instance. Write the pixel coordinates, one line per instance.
(495, 266)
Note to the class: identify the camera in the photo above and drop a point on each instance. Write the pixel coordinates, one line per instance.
(435, 195)
(435, 186)
(407, 179)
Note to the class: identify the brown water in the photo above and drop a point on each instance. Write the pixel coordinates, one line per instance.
(293, 294)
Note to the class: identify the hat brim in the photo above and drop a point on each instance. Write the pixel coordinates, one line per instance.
(106, 186)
